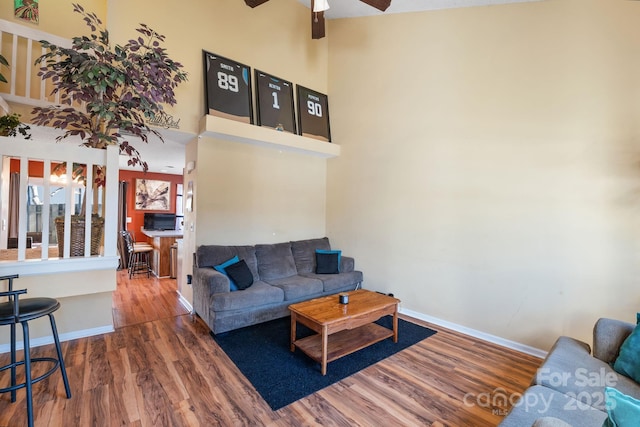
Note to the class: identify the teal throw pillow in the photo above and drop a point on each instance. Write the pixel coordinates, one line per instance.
(221, 268)
(628, 361)
(622, 410)
(331, 252)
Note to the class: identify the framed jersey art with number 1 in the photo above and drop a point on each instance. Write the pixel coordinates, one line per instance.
(274, 99)
(228, 88)
(313, 114)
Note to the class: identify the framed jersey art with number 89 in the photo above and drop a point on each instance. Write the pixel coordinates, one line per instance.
(274, 99)
(228, 88)
(313, 114)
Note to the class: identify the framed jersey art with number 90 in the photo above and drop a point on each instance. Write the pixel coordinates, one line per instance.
(274, 98)
(313, 114)
(228, 88)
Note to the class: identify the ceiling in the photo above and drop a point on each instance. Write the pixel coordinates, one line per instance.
(355, 8)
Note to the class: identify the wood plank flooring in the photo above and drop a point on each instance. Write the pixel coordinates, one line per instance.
(161, 368)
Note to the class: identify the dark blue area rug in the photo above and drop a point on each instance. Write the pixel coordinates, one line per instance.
(262, 354)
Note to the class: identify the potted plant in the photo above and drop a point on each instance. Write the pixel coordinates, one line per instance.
(108, 93)
(10, 125)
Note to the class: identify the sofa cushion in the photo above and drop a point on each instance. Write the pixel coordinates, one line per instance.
(240, 274)
(210, 255)
(257, 295)
(298, 287)
(275, 261)
(327, 263)
(628, 361)
(222, 268)
(622, 410)
(337, 282)
(304, 253)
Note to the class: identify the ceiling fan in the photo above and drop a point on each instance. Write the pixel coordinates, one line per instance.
(317, 12)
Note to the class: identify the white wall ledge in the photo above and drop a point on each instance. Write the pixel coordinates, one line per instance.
(231, 130)
(32, 267)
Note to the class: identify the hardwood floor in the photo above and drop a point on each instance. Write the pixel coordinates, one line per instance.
(161, 368)
(139, 300)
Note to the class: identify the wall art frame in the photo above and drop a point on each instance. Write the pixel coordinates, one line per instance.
(313, 114)
(274, 102)
(152, 195)
(227, 88)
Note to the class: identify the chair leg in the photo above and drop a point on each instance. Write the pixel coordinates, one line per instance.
(13, 361)
(27, 372)
(132, 258)
(147, 264)
(63, 370)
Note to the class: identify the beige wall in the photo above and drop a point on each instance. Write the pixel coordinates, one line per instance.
(85, 302)
(250, 194)
(489, 170)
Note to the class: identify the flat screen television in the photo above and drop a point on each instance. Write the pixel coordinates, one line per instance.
(159, 221)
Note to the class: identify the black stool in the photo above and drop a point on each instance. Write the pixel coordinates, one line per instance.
(14, 311)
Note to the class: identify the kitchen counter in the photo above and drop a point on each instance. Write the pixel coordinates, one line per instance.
(161, 240)
(162, 233)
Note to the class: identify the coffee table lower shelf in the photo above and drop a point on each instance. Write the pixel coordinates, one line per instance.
(344, 342)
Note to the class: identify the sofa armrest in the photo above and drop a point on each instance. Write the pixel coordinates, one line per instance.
(608, 336)
(210, 280)
(347, 264)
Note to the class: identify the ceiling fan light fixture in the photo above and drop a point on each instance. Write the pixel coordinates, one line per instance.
(320, 5)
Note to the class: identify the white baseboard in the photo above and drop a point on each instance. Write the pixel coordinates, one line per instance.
(37, 342)
(477, 334)
(185, 302)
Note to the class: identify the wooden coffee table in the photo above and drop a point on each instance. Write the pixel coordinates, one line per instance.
(342, 328)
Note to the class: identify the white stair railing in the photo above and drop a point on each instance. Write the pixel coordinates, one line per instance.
(20, 45)
(48, 154)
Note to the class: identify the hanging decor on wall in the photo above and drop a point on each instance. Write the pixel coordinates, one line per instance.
(27, 10)
(153, 195)
(313, 114)
(274, 100)
(227, 88)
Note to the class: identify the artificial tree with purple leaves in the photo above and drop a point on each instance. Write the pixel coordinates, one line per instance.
(108, 93)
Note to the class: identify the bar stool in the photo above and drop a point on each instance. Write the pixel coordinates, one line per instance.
(22, 311)
(139, 256)
(127, 238)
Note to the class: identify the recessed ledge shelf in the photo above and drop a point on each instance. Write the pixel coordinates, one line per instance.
(231, 130)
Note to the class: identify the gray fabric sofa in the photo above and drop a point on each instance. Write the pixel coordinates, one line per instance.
(283, 274)
(568, 388)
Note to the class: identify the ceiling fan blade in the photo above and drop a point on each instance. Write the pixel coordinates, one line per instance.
(254, 3)
(317, 23)
(381, 5)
